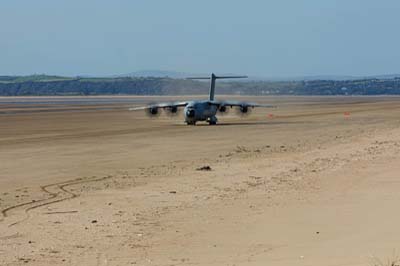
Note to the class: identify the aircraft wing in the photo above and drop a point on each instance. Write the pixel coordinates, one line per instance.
(240, 103)
(159, 105)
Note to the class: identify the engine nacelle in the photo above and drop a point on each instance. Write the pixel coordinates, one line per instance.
(152, 110)
(244, 109)
(173, 109)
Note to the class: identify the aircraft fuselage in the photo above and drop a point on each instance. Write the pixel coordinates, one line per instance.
(200, 111)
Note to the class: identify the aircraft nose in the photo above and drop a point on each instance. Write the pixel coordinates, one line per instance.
(190, 113)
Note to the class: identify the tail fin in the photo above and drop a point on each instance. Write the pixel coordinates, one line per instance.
(213, 78)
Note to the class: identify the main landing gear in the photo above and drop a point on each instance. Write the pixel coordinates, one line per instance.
(212, 120)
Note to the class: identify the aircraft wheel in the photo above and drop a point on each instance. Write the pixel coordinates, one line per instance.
(212, 120)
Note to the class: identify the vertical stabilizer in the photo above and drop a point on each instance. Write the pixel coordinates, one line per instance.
(212, 87)
(212, 79)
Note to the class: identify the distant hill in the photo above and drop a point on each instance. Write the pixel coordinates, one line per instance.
(168, 74)
(182, 75)
(31, 78)
(323, 77)
(159, 74)
(58, 85)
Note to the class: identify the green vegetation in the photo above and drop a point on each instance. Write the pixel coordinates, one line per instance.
(31, 78)
(58, 85)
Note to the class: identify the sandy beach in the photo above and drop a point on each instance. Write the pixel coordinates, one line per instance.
(86, 182)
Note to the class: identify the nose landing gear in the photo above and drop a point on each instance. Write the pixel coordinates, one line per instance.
(212, 120)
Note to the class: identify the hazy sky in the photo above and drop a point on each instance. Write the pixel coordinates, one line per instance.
(254, 37)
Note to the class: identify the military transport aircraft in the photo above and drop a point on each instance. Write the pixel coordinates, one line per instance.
(202, 110)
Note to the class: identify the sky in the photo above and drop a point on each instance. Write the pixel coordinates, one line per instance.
(268, 38)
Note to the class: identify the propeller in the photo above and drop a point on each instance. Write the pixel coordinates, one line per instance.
(223, 109)
(172, 111)
(244, 110)
(152, 111)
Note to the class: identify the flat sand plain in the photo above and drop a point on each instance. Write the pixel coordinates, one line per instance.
(315, 181)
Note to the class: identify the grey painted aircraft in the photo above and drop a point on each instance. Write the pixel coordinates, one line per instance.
(201, 110)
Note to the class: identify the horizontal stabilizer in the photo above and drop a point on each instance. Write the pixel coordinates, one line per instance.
(213, 78)
(219, 77)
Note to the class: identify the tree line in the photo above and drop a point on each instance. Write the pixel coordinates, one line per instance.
(53, 85)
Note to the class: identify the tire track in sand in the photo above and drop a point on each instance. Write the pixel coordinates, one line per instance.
(60, 194)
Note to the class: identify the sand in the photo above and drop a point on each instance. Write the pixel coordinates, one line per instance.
(313, 182)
